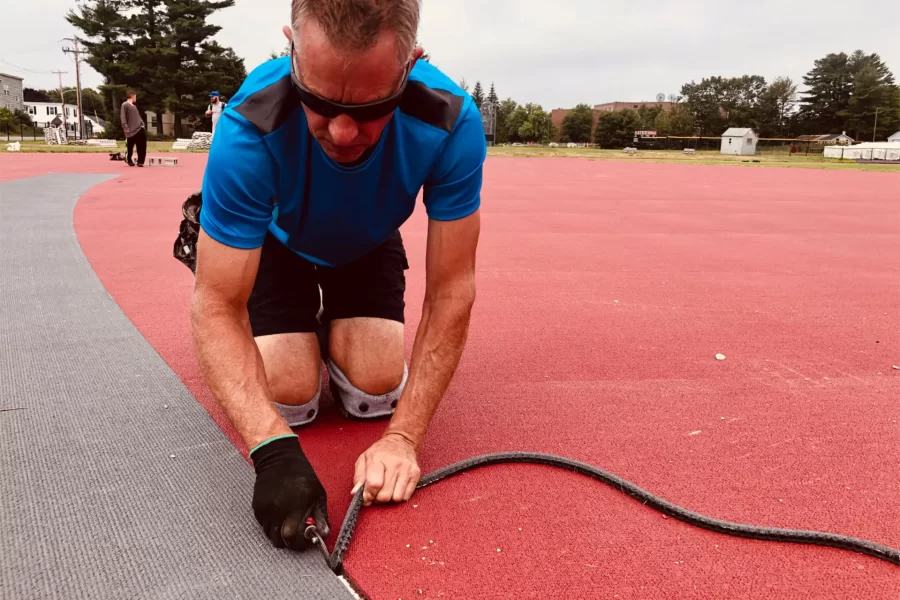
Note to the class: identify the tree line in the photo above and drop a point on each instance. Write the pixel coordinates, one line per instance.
(843, 93)
(512, 122)
(162, 49)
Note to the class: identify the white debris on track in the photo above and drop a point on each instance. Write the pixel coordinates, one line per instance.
(720, 357)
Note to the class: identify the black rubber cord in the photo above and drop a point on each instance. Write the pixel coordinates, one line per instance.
(335, 559)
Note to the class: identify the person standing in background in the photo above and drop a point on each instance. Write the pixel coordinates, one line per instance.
(135, 130)
(216, 106)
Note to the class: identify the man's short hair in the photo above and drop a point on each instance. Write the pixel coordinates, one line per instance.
(130, 94)
(354, 25)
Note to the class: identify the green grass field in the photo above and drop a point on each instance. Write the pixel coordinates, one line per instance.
(711, 157)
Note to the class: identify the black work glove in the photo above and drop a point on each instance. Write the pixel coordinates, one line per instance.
(287, 492)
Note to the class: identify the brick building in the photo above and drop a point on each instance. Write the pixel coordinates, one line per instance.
(11, 95)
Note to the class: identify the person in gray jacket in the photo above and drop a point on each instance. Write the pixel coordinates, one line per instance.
(135, 131)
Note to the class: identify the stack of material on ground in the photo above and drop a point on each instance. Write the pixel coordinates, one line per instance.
(201, 140)
(103, 143)
(55, 135)
(865, 151)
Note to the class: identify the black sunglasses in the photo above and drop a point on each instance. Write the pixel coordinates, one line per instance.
(361, 113)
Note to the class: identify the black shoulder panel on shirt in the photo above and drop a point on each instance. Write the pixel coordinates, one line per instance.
(438, 108)
(269, 107)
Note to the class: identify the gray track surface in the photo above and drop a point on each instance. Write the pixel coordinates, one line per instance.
(91, 503)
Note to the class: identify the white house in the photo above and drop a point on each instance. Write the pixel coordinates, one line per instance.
(739, 140)
(42, 114)
(895, 138)
(828, 139)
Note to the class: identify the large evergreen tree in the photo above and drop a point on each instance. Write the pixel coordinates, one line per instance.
(830, 84)
(478, 95)
(844, 93)
(160, 48)
(197, 64)
(874, 93)
(492, 97)
(110, 52)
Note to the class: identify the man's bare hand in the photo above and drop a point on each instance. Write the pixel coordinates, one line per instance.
(388, 470)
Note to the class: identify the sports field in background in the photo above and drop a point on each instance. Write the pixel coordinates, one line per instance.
(701, 157)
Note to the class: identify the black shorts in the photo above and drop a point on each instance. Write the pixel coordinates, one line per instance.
(285, 296)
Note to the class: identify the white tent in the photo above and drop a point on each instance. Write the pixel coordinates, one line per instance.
(895, 138)
(865, 151)
(739, 140)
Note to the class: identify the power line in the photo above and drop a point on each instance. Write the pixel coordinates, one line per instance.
(24, 69)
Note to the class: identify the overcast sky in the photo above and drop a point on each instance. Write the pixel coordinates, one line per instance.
(554, 52)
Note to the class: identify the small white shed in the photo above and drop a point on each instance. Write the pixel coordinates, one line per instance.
(895, 138)
(739, 140)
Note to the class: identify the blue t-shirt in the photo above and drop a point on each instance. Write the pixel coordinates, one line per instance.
(266, 173)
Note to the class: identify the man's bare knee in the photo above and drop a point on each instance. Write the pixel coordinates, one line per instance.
(293, 367)
(370, 352)
(293, 389)
(377, 382)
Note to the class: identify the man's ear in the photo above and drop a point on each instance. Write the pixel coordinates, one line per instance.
(286, 30)
(416, 55)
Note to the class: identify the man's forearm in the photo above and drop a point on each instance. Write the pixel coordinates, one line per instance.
(439, 344)
(233, 368)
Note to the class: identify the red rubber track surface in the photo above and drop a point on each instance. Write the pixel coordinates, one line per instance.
(604, 292)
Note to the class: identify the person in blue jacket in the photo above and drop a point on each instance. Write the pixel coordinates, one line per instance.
(317, 162)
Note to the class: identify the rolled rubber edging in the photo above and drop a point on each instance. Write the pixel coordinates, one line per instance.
(771, 534)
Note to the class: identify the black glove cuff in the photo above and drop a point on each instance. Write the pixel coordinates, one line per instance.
(278, 453)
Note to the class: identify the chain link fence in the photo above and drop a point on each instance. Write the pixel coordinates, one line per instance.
(764, 146)
(20, 132)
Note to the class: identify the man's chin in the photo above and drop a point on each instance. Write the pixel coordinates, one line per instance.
(343, 155)
(346, 157)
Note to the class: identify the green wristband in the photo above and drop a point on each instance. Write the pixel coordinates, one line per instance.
(274, 439)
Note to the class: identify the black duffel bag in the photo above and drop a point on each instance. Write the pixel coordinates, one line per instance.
(185, 248)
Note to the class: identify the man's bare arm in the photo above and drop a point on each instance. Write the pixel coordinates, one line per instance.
(442, 332)
(228, 355)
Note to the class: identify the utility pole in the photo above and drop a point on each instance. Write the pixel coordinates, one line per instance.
(62, 98)
(77, 54)
(875, 128)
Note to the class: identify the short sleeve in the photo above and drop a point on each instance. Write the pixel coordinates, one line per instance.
(454, 189)
(238, 185)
